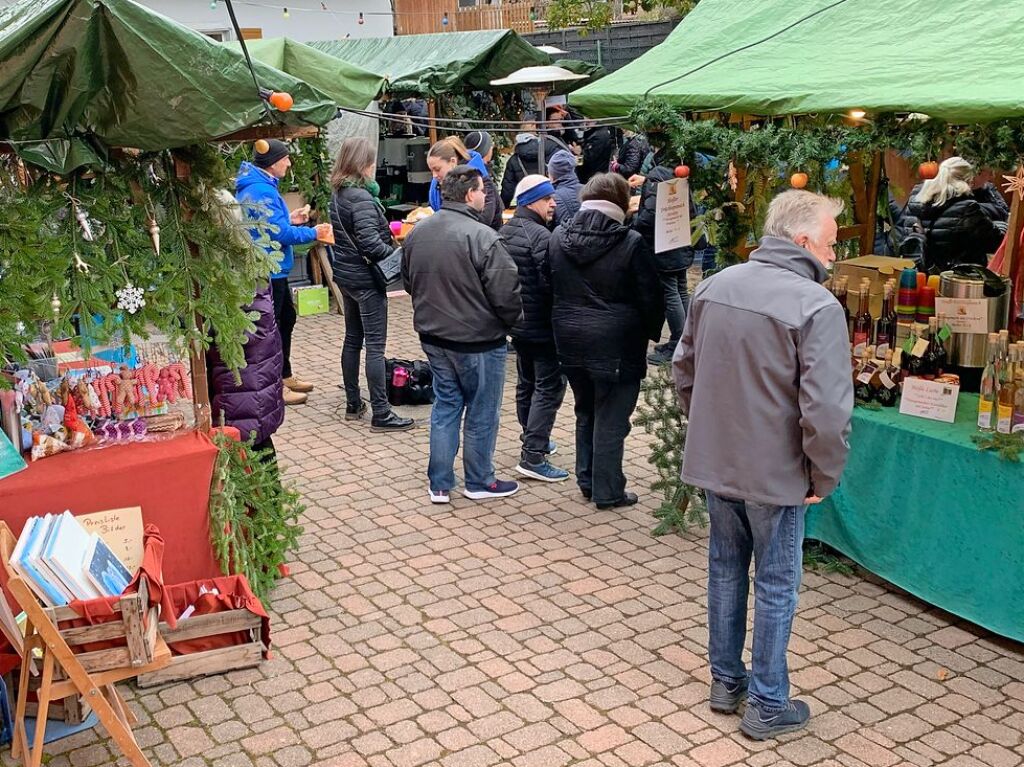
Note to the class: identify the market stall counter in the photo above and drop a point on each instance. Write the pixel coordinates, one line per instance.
(921, 506)
(169, 479)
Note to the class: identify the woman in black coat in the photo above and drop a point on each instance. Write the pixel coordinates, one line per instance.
(361, 237)
(607, 305)
(960, 225)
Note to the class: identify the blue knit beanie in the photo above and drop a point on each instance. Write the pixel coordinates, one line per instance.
(532, 188)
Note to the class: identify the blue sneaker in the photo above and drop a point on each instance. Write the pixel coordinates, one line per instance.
(552, 447)
(543, 471)
(761, 725)
(498, 489)
(726, 698)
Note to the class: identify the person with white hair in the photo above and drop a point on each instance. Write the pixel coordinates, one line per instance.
(763, 375)
(961, 225)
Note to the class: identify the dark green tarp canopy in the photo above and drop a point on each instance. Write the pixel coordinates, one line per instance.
(348, 84)
(113, 73)
(958, 61)
(428, 65)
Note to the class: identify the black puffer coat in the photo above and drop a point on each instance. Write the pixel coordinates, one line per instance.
(598, 144)
(631, 156)
(523, 162)
(360, 232)
(526, 238)
(962, 230)
(607, 299)
(491, 214)
(670, 261)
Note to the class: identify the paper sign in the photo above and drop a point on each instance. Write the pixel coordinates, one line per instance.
(929, 399)
(964, 315)
(672, 215)
(121, 530)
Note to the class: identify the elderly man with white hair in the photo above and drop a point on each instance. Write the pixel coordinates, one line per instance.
(763, 376)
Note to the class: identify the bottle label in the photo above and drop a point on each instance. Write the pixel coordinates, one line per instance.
(984, 414)
(920, 347)
(1018, 426)
(944, 333)
(882, 348)
(887, 382)
(858, 348)
(866, 374)
(1004, 419)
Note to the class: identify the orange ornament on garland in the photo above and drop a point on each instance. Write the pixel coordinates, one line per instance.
(682, 171)
(798, 180)
(262, 146)
(281, 101)
(928, 170)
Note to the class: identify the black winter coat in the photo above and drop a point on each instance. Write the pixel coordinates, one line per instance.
(631, 156)
(360, 232)
(962, 230)
(523, 162)
(526, 239)
(598, 144)
(491, 214)
(670, 261)
(607, 299)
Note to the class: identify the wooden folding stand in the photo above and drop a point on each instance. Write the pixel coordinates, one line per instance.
(90, 674)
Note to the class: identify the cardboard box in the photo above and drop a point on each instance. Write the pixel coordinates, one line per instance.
(312, 299)
(877, 269)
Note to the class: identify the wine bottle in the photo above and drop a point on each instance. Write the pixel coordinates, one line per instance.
(862, 323)
(989, 386)
(1007, 389)
(935, 355)
(862, 376)
(885, 335)
(1018, 390)
(884, 383)
(918, 366)
(839, 290)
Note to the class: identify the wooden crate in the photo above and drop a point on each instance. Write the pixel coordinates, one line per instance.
(70, 710)
(216, 661)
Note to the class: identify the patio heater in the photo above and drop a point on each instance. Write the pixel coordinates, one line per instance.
(539, 81)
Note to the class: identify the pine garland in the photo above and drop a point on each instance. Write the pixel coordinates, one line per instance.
(1007, 446)
(46, 253)
(253, 517)
(682, 504)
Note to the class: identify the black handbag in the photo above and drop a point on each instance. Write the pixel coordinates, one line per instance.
(385, 271)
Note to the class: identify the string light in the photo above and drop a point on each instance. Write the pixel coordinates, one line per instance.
(286, 14)
(444, 19)
(325, 9)
(213, 5)
(361, 18)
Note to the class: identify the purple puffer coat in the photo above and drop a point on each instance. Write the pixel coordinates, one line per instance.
(257, 405)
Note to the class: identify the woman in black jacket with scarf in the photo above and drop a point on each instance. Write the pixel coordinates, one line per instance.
(362, 236)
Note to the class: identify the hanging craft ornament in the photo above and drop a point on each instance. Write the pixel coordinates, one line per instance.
(129, 298)
(83, 222)
(1016, 183)
(55, 305)
(80, 264)
(154, 234)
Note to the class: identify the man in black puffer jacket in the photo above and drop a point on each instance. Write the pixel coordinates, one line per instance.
(541, 386)
(631, 156)
(523, 161)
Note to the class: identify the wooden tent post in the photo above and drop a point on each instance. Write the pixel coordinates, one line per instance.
(432, 114)
(867, 241)
(197, 360)
(1013, 263)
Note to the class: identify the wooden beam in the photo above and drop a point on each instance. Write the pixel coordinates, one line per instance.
(867, 242)
(432, 114)
(1013, 263)
(272, 131)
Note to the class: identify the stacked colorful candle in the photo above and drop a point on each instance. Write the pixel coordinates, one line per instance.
(906, 301)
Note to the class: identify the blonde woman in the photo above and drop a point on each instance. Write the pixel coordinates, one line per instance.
(450, 152)
(960, 224)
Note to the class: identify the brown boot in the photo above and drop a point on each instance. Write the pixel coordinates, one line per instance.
(294, 397)
(297, 384)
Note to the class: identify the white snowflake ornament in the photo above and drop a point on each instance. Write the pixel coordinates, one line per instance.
(130, 298)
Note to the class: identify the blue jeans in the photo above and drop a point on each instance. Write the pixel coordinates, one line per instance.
(677, 303)
(472, 382)
(774, 535)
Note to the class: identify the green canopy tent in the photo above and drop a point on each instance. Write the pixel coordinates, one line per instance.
(348, 84)
(85, 74)
(428, 65)
(777, 57)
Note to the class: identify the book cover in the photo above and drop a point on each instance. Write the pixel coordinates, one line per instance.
(105, 570)
(65, 556)
(24, 542)
(38, 554)
(47, 592)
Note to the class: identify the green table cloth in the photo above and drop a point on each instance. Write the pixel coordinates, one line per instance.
(922, 507)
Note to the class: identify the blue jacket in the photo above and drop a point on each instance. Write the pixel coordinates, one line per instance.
(475, 161)
(258, 186)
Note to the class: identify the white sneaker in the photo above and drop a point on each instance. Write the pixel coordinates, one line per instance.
(440, 496)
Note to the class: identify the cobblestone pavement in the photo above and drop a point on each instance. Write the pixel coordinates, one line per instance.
(538, 631)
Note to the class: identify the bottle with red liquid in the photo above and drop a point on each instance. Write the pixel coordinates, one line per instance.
(862, 322)
(885, 334)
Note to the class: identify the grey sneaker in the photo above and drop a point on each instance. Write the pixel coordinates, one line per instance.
(761, 725)
(725, 698)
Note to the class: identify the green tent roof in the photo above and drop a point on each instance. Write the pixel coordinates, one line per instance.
(431, 64)
(959, 61)
(114, 72)
(348, 84)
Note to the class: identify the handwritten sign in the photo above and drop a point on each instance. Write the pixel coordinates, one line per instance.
(121, 530)
(929, 399)
(672, 215)
(964, 315)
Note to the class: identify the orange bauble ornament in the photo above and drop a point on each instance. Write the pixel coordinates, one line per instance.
(682, 171)
(262, 146)
(281, 101)
(798, 180)
(927, 170)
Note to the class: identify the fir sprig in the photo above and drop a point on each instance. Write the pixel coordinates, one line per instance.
(1007, 446)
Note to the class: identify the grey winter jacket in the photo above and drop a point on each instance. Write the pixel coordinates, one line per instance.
(763, 375)
(463, 282)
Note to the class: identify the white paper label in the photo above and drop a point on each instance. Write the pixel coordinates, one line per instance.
(881, 350)
(858, 350)
(964, 315)
(920, 347)
(672, 215)
(887, 382)
(865, 375)
(929, 399)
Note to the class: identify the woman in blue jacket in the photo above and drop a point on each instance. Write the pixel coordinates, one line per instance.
(445, 155)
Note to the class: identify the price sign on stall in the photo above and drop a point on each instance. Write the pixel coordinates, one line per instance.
(964, 315)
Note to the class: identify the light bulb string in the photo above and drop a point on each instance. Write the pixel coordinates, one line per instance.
(513, 126)
(324, 9)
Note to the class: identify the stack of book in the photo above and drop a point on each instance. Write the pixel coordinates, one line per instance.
(62, 562)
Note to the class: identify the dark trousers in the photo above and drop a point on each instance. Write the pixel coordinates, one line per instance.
(284, 313)
(366, 322)
(539, 393)
(602, 409)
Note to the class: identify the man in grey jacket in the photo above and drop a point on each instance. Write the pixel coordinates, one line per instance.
(465, 300)
(763, 375)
